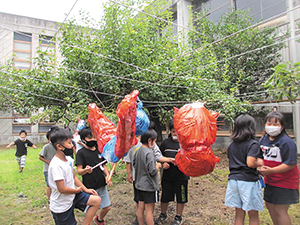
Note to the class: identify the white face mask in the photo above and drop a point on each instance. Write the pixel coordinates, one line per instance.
(175, 138)
(273, 131)
(151, 146)
(22, 139)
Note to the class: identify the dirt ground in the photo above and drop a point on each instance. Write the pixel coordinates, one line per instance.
(205, 206)
(205, 201)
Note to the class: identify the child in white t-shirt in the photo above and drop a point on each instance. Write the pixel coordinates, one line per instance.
(65, 195)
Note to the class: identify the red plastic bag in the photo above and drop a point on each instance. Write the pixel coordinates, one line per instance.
(195, 125)
(126, 128)
(196, 161)
(101, 126)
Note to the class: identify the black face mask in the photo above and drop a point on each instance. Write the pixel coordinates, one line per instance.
(91, 144)
(67, 150)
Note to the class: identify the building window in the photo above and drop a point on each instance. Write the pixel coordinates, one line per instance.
(44, 127)
(22, 50)
(47, 44)
(214, 9)
(262, 9)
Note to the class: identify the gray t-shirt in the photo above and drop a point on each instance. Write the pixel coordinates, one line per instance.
(146, 174)
(48, 152)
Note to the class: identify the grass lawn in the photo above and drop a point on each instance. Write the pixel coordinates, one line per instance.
(23, 199)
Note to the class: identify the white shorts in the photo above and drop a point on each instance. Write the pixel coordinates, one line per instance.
(246, 195)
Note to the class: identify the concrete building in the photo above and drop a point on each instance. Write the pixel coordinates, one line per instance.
(285, 14)
(21, 37)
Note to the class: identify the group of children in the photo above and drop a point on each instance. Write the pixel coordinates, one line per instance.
(274, 156)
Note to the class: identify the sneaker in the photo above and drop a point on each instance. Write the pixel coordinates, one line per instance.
(176, 221)
(160, 219)
(98, 222)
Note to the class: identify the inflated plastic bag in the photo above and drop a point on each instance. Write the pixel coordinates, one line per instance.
(196, 161)
(196, 128)
(101, 126)
(142, 120)
(126, 112)
(109, 150)
(195, 125)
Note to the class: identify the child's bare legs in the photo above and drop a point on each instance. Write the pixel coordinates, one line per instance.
(279, 214)
(179, 208)
(239, 216)
(103, 212)
(164, 207)
(94, 203)
(149, 213)
(140, 212)
(253, 217)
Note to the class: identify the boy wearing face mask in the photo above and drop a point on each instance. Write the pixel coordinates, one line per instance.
(68, 192)
(280, 169)
(173, 182)
(86, 158)
(22, 143)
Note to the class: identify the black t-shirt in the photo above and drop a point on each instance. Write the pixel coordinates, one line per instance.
(22, 147)
(170, 148)
(86, 157)
(237, 153)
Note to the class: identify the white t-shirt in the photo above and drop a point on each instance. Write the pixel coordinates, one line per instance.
(61, 170)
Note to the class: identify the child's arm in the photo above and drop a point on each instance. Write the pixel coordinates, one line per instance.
(34, 146)
(164, 159)
(62, 188)
(128, 171)
(253, 162)
(84, 171)
(282, 168)
(10, 144)
(80, 186)
(43, 159)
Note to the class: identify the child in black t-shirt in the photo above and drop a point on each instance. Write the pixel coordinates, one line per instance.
(97, 178)
(22, 143)
(173, 182)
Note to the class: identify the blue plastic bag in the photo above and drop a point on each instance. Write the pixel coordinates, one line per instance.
(142, 120)
(109, 150)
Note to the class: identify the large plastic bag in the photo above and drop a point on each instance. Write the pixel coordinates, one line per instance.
(196, 128)
(109, 150)
(142, 120)
(101, 126)
(126, 112)
(195, 125)
(196, 161)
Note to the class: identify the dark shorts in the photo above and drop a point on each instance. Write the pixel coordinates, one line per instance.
(170, 188)
(147, 196)
(135, 195)
(68, 217)
(281, 196)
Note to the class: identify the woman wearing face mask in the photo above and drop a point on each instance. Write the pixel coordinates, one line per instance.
(280, 169)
